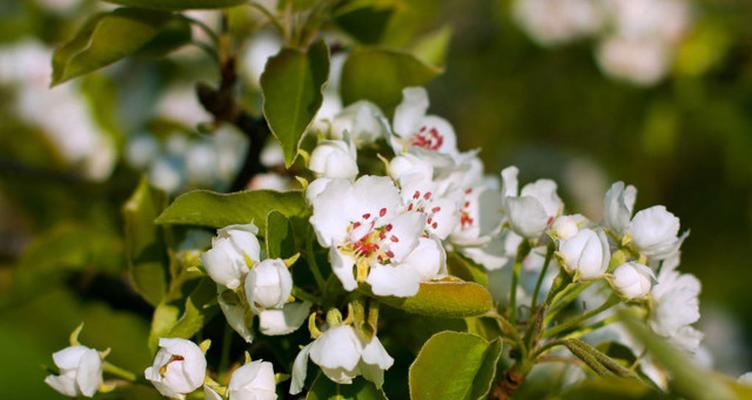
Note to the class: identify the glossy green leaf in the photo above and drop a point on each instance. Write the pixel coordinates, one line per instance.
(379, 75)
(104, 39)
(173, 35)
(466, 269)
(447, 299)
(280, 237)
(291, 83)
(187, 319)
(179, 4)
(217, 210)
(454, 366)
(361, 389)
(144, 247)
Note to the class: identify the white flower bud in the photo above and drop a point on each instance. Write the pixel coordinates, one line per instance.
(632, 280)
(80, 371)
(226, 262)
(334, 159)
(566, 226)
(618, 205)
(586, 253)
(654, 232)
(179, 368)
(363, 120)
(269, 284)
(527, 216)
(253, 381)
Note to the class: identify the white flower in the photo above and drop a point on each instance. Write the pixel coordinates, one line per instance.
(746, 379)
(80, 371)
(253, 381)
(618, 206)
(268, 284)
(226, 262)
(534, 209)
(179, 368)
(586, 254)
(370, 234)
(640, 61)
(342, 356)
(276, 322)
(566, 226)
(334, 159)
(676, 306)
(632, 280)
(363, 120)
(413, 129)
(555, 22)
(653, 231)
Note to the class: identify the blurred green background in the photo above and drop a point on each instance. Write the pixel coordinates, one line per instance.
(685, 142)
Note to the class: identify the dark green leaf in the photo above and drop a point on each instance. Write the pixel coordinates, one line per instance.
(447, 299)
(217, 210)
(172, 320)
(612, 388)
(104, 39)
(379, 75)
(292, 83)
(454, 366)
(280, 238)
(466, 269)
(174, 34)
(179, 4)
(361, 389)
(366, 24)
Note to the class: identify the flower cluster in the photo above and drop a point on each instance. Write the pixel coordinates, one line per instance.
(636, 38)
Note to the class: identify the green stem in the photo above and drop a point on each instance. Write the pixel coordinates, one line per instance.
(592, 327)
(546, 347)
(559, 283)
(511, 330)
(210, 51)
(113, 369)
(569, 324)
(224, 359)
(539, 282)
(303, 295)
(567, 296)
(206, 28)
(522, 252)
(311, 258)
(272, 18)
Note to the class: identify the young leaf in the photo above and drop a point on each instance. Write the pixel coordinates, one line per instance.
(379, 75)
(446, 299)
(361, 389)
(104, 39)
(466, 269)
(292, 83)
(217, 210)
(178, 4)
(454, 365)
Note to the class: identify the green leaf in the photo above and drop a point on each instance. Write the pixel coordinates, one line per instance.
(432, 47)
(170, 320)
(365, 23)
(361, 389)
(596, 360)
(174, 34)
(291, 83)
(280, 238)
(454, 366)
(217, 210)
(447, 299)
(104, 39)
(179, 4)
(379, 75)
(144, 246)
(612, 388)
(466, 269)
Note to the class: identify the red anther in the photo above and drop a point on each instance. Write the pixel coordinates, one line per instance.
(394, 239)
(382, 212)
(550, 220)
(467, 204)
(427, 195)
(422, 128)
(429, 220)
(388, 227)
(468, 190)
(436, 209)
(410, 207)
(435, 225)
(416, 195)
(366, 215)
(389, 253)
(356, 225)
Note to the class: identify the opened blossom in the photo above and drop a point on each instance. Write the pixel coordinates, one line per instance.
(334, 159)
(80, 371)
(179, 368)
(371, 235)
(618, 206)
(414, 130)
(534, 209)
(676, 307)
(655, 233)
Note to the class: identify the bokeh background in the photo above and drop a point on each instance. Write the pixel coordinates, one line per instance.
(70, 157)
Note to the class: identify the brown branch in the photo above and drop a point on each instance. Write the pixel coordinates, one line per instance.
(507, 386)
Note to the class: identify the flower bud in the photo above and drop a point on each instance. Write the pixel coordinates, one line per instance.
(253, 381)
(618, 206)
(586, 253)
(179, 368)
(334, 159)
(566, 226)
(632, 280)
(654, 232)
(226, 262)
(80, 371)
(269, 284)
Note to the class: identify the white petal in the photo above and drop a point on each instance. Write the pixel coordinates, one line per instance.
(409, 112)
(300, 370)
(269, 284)
(284, 321)
(509, 185)
(338, 347)
(342, 266)
(64, 385)
(406, 228)
(428, 259)
(394, 280)
(210, 394)
(527, 216)
(89, 374)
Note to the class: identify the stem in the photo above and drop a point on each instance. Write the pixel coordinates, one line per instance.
(113, 369)
(303, 295)
(546, 347)
(272, 18)
(539, 282)
(314, 265)
(561, 279)
(522, 251)
(592, 327)
(510, 330)
(567, 296)
(224, 360)
(613, 300)
(206, 28)
(210, 51)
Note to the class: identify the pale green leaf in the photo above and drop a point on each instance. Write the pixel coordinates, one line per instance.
(447, 299)
(466, 269)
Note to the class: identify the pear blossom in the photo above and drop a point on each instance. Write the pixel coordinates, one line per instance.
(654, 232)
(363, 121)
(632, 280)
(253, 381)
(334, 159)
(535, 208)
(676, 307)
(370, 234)
(555, 22)
(566, 226)
(276, 322)
(80, 371)
(179, 368)
(585, 254)
(618, 206)
(342, 356)
(227, 261)
(643, 62)
(413, 129)
(268, 284)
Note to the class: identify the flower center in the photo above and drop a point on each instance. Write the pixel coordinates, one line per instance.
(369, 242)
(466, 220)
(173, 358)
(420, 203)
(429, 139)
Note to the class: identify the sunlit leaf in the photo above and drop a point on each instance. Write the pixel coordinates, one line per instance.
(466, 269)
(448, 299)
